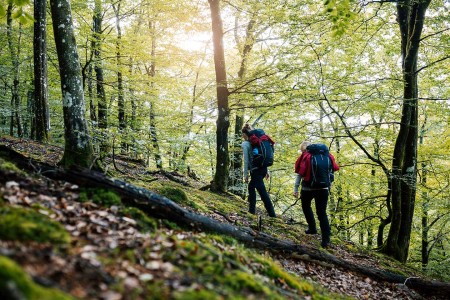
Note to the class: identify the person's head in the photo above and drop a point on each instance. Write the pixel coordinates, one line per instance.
(246, 130)
(303, 145)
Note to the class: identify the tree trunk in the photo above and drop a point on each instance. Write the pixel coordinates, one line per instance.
(16, 119)
(92, 106)
(425, 207)
(238, 187)
(41, 115)
(78, 148)
(98, 68)
(220, 181)
(411, 16)
(120, 90)
(152, 74)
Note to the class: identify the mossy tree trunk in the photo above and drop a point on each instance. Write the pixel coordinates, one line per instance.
(78, 147)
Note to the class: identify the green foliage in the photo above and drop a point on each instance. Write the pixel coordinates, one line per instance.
(19, 13)
(21, 224)
(16, 284)
(100, 196)
(340, 14)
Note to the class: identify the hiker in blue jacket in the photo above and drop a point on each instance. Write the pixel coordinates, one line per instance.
(257, 175)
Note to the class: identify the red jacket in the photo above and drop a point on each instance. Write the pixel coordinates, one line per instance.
(303, 165)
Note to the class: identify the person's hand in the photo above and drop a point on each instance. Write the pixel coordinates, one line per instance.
(295, 194)
(246, 179)
(267, 176)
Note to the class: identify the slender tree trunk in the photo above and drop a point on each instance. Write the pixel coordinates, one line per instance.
(41, 118)
(133, 124)
(238, 187)
(120, 91)
(78, 148)
(411, 16)
(92, 106)
(188, 143)
(220, 181)
(16, 119)
(425, 207)
(152, 74)
(98, 68)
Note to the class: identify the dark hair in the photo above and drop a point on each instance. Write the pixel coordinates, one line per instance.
(247, 128)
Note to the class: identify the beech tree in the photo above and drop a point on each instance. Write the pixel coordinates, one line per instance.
(220, 180)
(15, 51)
(41, 118)
(78, 148)
(410, 17)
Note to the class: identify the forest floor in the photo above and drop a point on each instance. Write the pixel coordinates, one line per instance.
(109, 246)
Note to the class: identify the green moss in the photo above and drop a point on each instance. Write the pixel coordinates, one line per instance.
(239, 280)
(198, 294)
(144, 222)
(23, 224)
(8, 166)
(100, 196)
(177, 195)
(174, 194)
(272, 270)
(170, 225)
(159, 290)
(16, 284)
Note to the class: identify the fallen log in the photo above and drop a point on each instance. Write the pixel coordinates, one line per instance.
(159, 206)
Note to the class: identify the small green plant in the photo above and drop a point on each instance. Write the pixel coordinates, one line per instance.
(16, 284)
(21, 224)
(100, 196)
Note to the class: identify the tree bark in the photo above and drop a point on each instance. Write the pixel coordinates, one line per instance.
(411, 16)
(120, 89)
(78, 147)
(220, 181)
(16, 119)
(238, 187)
(41, 115)
(102, 114)
(152, 73)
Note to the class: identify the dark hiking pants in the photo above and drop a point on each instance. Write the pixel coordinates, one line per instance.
(321, 198)
(257, 184)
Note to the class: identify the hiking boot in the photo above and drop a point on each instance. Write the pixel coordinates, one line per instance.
(325, 242)
(310, 231)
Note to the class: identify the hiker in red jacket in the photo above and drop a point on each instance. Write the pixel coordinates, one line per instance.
(307, 171)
